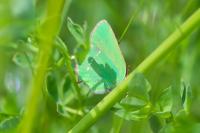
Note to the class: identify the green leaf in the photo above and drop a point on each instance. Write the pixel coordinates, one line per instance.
(51, 86)
(60, 62)
(77, 31)
(3, 116)
(155, 123)
(168, 128)
(139, 87)
(81, 52)
(25, 52)
(133, 101)
(136, 105)
(65, 88)
(67, 84)
(61, 110)
(163, 114)
(20, 59)
(129, 114)
(165, 101)
(8, 122)
(66, 111)
(17, 19)
(186, 96)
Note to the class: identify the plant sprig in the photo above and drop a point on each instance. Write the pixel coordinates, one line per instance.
(69, 67)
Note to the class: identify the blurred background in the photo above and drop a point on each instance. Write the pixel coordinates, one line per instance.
(153, 21)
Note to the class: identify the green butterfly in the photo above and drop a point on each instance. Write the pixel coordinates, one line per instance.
(104, 66)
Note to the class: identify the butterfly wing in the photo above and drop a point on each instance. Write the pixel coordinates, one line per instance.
(104, 66)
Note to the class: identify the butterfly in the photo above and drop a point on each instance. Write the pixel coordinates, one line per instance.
(104, 66)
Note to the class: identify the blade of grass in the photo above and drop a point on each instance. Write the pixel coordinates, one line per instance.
(171, 42)
(47, 33)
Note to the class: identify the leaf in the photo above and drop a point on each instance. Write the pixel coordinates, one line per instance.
(165, 102)
(136, 115)
(8, 122)
(60, 62)
(168, 128)
(155, 123)
(17, 19)
(133, 101)
(61, 110)
(163, 114)
(20, 59)
(139, 87)
(67, 84)
(136, 105)
(130, 115)
(3, 116)
(25, 52)
(51, 86)
(79, 34)
(81, 52)
(66, 111)
(77, 31)
(186, 96)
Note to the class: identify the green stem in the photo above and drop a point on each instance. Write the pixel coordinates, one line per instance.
(70, 69)
(47, 33)
(73, 111)
(133, 17)
(171, 42)
(117, 124)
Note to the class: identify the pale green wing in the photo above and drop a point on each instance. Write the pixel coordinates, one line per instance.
(104, 66)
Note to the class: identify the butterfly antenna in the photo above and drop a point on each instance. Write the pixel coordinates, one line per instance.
(134, 15)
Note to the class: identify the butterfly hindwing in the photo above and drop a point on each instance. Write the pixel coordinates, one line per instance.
(104, 65)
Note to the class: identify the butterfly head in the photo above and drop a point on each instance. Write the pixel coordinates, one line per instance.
(91, 60)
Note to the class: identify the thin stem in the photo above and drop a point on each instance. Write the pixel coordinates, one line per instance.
(70, 69)
(47, 33)
(117, 124)
(134, 15)
(73, 111)
(171, 42)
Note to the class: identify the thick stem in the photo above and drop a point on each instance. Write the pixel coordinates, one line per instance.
(171, 42)
(47, 33)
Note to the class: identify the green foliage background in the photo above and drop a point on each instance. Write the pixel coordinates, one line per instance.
(153, 21)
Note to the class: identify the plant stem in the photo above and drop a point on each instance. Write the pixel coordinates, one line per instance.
(133, 17)
(69, 67)
(171, 42)
(47, 33)
(117, 124)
